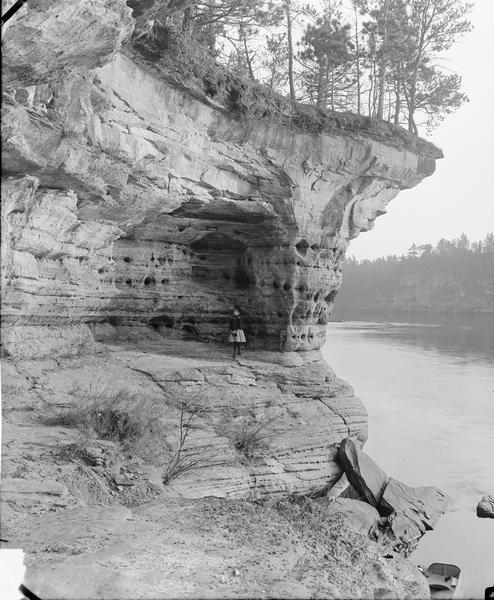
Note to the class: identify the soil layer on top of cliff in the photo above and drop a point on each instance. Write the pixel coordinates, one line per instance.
(192, 69)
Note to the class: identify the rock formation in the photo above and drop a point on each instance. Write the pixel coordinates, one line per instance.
(366, 478)
(137, 208)
(131, 201)
(407, 512)
(132, 207)
(485, 508)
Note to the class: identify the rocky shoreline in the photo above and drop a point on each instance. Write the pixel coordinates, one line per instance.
(54, 472)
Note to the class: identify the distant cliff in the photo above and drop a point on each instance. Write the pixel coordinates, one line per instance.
(455, 276)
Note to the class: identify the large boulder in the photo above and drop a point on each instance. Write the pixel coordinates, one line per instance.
(411, 511)
(485, 508)
(364, 475)
(360, 516)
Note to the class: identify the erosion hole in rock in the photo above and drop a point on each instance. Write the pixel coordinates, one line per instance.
(331, 296)
(315, 247)
(210, 88)
(302, 247)
(127, 259)
(217, 242)
(286, 286)
(242, 277)
(150, 281)
(114, 320)
(200, 273)
(162, 321)
(128, 282)
(233, 99)
(189, 331)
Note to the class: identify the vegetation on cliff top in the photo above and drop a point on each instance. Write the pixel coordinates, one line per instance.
(192, 68)
(453, 276)
(382, 59)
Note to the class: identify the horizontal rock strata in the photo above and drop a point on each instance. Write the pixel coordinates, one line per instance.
(132, 201)
(297, 406)
(136, 210)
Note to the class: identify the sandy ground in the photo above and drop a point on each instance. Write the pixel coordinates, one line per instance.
(208, 548)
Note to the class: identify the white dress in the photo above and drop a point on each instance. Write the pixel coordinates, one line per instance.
(237, 336)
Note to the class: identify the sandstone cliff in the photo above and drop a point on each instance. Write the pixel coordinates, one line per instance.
(136, 209)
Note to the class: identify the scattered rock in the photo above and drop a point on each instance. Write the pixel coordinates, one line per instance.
(39, 496)
(338, 490)
(410, 511)
(485, 508)
(361, 516)
(122, 480)
(364, 475)
(153, 475)
(415, 510)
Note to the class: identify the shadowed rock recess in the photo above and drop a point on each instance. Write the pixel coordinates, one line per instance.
(136, 210)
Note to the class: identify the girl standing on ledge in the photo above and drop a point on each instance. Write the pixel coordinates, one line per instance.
(237, 335)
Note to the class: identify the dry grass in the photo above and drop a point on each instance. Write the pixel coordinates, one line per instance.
(126, 420)
(246, 434)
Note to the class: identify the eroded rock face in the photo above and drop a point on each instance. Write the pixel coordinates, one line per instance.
(47, 39)
(269, 424)
(136, 211)
(146, 205)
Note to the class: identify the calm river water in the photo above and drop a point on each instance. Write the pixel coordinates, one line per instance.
(428, 384)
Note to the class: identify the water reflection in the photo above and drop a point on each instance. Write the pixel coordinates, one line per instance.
(463, 336)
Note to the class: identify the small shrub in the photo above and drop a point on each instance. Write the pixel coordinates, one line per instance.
(132, 423)
(135, 426)
(247, 435)
(184, 459)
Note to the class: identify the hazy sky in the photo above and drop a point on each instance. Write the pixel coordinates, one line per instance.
(460, 195)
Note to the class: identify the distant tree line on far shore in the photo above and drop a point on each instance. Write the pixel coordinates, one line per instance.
(453, 276)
